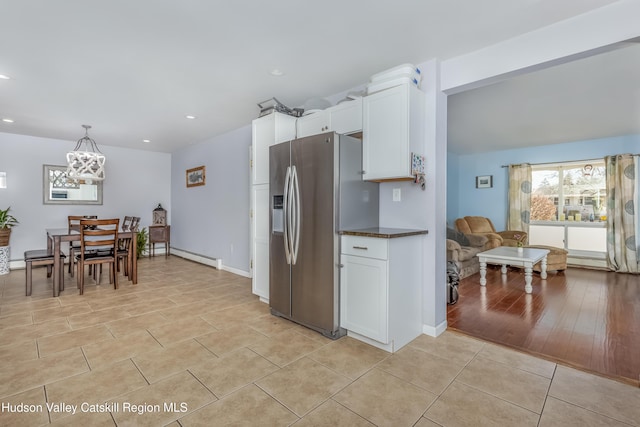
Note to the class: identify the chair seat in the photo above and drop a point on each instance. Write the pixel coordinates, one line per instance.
(95, 255)
(40, 255)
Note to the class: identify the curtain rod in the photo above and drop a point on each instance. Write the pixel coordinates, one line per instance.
(555, 163)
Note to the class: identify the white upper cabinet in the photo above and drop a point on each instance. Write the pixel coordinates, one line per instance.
(346, 117)
(313, 124)
(267, 131)
(392, 128)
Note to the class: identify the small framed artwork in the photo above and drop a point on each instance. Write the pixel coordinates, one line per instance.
(196, 176)
(484, 181)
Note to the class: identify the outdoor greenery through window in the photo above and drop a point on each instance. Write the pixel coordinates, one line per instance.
(569, 192)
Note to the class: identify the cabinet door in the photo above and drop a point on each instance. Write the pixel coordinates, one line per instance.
(266, 131)
(346, 118)
(158, 233)
(260, 242)
(364, 297)
(313, 124)
(285, 128)
(262, 137)
(385, 133)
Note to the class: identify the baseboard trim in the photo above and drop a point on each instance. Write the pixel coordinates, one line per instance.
(211, 262)
(434, 331)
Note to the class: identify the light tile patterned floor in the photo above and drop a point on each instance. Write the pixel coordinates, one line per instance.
(191, 346)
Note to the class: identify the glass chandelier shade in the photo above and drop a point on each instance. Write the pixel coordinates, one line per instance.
(86, 161)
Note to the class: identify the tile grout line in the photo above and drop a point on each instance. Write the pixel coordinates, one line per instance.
(546, 396)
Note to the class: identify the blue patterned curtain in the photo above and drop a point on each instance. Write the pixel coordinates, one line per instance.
(519, 197)
(622, 254)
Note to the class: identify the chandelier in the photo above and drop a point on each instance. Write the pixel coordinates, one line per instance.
(86, 161)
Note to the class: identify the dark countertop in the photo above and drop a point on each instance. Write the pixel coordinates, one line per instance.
(383, 233)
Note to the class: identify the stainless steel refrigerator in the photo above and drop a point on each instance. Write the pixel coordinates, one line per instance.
(316, 190)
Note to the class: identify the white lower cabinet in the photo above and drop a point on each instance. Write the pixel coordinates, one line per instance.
(380, 290)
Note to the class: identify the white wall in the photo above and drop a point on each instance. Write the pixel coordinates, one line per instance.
(136, 181)
(213, 220)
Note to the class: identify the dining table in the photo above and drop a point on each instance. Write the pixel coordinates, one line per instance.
(55, 238)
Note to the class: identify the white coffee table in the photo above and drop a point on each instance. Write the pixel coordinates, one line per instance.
(507, 255)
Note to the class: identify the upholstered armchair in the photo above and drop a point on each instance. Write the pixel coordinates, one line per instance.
(462, 249)
(484, 226)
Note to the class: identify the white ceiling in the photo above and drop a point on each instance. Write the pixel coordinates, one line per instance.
(134, 69)
(595, 97)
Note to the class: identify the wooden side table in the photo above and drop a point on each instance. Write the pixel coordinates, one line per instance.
(159, 234)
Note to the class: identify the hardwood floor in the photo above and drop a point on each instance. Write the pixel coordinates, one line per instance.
(587, 319)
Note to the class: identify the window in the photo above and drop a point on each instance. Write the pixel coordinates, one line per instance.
(578, 224)
(582, 187)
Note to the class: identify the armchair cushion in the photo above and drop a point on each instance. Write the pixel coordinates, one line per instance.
(513, 237)
(477, 240)
(481, 225)
(465, 256)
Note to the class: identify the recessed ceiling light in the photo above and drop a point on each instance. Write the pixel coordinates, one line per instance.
(276, 72)
(146, 140)
(190, 117)
(4, 77)
(7, 120)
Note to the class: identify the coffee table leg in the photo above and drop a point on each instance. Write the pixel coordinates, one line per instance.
(543, 265)
(528, 270)
(503, 269)
(483, 272)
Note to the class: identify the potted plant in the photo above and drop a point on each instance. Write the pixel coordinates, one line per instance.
(6, 222)
(141, 242)
(520, 247)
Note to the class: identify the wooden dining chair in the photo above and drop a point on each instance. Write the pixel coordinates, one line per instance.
(73, 222)
(130, 223)
(98, 245)
(36, 257)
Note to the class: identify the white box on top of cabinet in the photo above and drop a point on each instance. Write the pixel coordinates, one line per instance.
(381, 289)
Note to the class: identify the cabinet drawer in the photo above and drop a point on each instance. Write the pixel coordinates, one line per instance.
(370, 247)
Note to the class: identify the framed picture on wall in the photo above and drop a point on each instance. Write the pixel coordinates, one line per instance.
(484, 181)
(196, 176)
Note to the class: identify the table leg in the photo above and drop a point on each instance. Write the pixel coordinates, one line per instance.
(483, 273)
(133, 256)
(56, 266)
(503, 269)
(528, 272)
(49, 248)
(543, 265)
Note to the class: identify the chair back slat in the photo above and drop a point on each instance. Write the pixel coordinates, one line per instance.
(126, 223)
(96, 233)
(130, 223)
(73, 221)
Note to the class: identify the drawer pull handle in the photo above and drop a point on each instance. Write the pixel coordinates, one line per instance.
(364, 248)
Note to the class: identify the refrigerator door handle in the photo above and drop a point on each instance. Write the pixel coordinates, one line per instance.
(291, 215)
(285, 215)
(296, 234)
